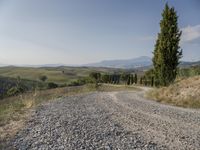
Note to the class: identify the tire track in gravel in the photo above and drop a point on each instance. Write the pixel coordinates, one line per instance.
(109, 120)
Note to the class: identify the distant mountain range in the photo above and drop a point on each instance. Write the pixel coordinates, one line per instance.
(186, 64)
(142, 61)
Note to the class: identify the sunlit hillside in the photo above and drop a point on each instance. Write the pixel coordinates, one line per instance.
(185, 92)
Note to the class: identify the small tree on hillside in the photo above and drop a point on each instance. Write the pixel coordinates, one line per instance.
(167, 51)
(105, 78)
(128, 82)
(43, 78)
(124, 77)
(96, 76)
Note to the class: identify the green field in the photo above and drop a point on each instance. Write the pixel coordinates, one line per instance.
(59, 75)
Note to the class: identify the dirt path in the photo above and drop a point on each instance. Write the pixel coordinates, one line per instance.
(110, 120)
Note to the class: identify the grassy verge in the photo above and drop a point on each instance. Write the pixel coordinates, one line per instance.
(183, 93)
(15, 110)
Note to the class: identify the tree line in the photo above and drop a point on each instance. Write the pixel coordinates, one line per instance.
(123, 78)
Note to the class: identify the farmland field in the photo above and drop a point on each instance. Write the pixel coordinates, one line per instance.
(58, 75)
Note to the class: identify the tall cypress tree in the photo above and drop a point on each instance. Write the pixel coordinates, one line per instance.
(128, 80)
(131, 79)
(167, 51)
(135, 79)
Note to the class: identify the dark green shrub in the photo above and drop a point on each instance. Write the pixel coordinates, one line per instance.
(96, 76)
(128, 80)
(43, 78)
(131, 79)
(15, 91)
(152, 81)
(12, 91)
(105, 78)
(189, 72)
(52, 85)
(63, 85)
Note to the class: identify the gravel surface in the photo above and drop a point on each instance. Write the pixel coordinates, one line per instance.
(108, 121)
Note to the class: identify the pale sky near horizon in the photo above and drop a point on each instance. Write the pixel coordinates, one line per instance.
(85, 31)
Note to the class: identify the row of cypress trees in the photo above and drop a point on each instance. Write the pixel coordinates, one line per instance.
(124, 78)
(120, 78)
(131, 79)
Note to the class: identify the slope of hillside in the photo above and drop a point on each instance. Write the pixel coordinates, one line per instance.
(185, 93)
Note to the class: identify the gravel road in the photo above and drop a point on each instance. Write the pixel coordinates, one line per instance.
(108, 121)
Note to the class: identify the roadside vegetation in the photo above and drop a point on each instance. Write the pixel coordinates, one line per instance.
(14, 86)
(189, 72)
(184, 92)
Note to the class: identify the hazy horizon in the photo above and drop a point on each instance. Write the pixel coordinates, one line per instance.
(76, 32)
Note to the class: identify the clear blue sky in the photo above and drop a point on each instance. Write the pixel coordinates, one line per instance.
(84, 31)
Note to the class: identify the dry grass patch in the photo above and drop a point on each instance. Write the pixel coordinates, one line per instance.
(184, 93)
